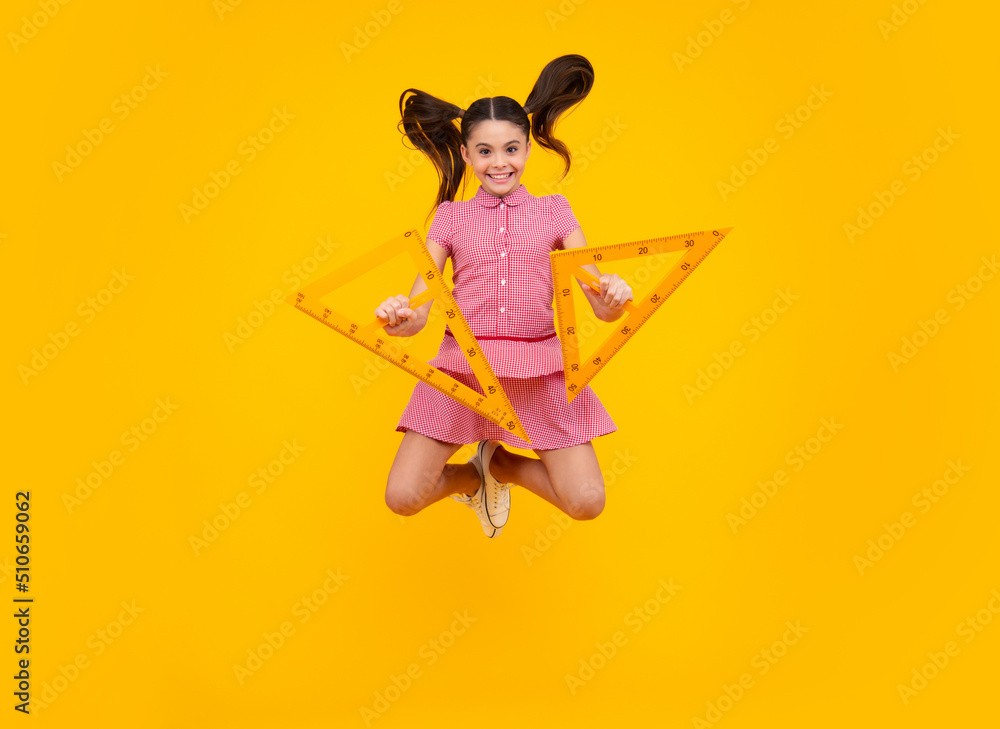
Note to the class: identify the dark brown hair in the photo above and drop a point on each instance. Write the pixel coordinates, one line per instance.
(429, 122)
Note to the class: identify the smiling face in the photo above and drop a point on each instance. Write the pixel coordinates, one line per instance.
(497, 148)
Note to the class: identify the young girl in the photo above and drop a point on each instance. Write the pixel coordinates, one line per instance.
(500, 242)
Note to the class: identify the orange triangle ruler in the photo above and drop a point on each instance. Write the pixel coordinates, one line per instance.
(566, 264)
(492, 405)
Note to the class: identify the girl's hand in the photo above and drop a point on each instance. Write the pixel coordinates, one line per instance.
(613, 291)
(402, 320)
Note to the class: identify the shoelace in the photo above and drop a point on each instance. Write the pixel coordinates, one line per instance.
(496, 489)
(475, 501)
(499, 489)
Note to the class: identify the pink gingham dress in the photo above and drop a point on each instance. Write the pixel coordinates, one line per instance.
(503, 284)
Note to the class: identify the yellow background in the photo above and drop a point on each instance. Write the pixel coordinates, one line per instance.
(538, 605)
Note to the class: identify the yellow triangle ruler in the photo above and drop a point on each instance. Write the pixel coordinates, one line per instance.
(492, 405)
(566, 264)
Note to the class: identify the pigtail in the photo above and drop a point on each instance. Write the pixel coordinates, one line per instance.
(563, 82)
(428, 122)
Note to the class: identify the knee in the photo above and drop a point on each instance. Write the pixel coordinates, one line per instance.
(407, 493)
(403, 498)
(401, 501)
(588, 503)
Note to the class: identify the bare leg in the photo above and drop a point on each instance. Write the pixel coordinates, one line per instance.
(568, 478)
(421, 475)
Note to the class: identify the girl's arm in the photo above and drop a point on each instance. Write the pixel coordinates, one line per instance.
(607, 302)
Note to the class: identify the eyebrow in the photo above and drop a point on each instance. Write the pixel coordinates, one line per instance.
(513, 141)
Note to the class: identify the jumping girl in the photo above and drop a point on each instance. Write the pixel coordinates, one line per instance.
(499, 242)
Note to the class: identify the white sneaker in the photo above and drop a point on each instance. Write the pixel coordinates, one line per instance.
(496, 495)
(492, 501)
(476, 504)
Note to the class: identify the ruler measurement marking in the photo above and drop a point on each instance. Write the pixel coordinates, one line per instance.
(697, 245)
(493, 404)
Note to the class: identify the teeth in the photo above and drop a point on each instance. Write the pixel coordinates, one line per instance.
(500, 177)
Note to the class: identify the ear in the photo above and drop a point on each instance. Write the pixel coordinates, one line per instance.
(527, 149)
(465, 155)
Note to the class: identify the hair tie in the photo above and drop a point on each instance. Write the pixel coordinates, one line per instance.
(461, 113)
(526, 110)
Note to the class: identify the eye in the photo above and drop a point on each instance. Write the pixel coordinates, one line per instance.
(510, 148)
